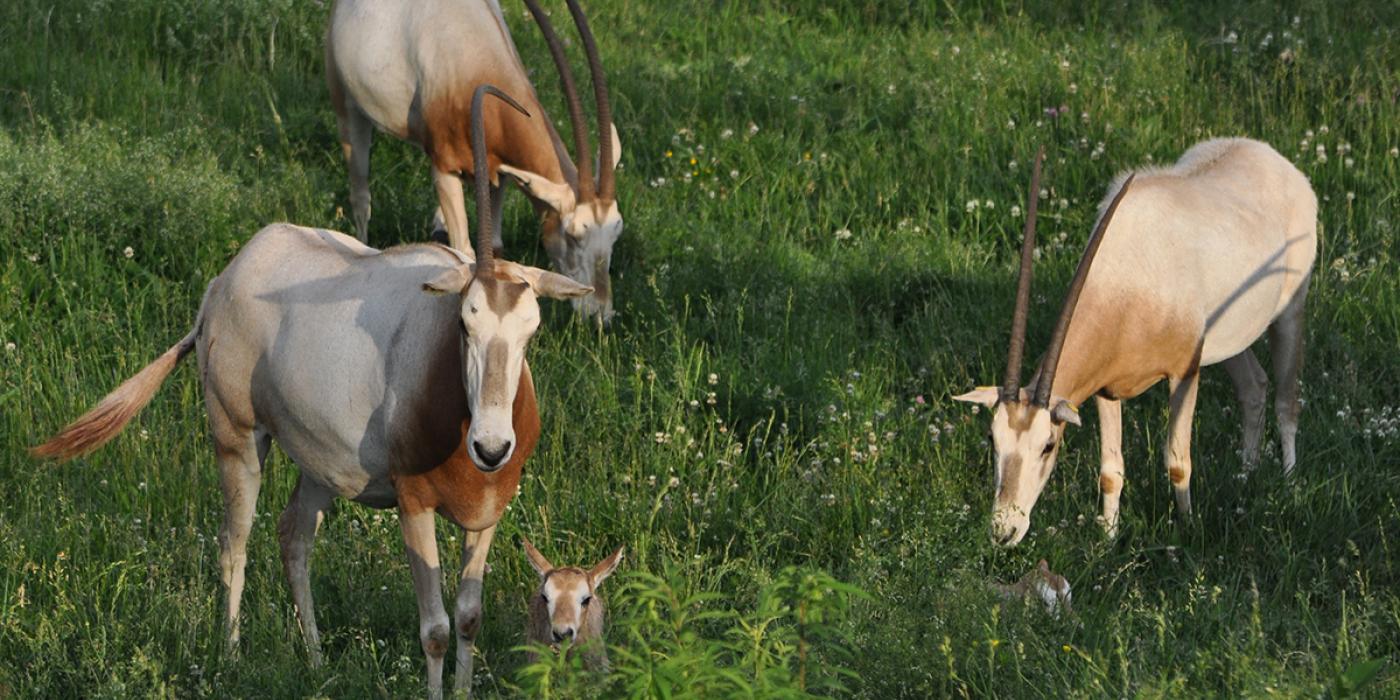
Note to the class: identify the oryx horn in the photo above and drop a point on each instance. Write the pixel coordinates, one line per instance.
(566, 81)
(1011, 385)
(482, 176)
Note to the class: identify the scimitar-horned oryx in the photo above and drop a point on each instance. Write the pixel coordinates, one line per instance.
(1201, 258)
(394, 378)
(409, 68)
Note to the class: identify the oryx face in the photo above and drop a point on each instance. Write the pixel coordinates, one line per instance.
(498, 319)
(500, 312)
(580, 244)
(567, 592)
(1026, 439)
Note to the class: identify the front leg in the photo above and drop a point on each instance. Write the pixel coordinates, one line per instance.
(1110, 461)
(433, 630)
(475, 545)
(498, 200)
(1183, 409)
(453, 208)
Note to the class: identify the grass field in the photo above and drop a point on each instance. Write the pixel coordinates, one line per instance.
(819, 250)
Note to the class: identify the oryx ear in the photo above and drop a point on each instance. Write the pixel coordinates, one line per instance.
(1065, 413)
(543, 282)
(603, 569)
(985, 395)
(558, 196)
(451, 281)
(537, 560)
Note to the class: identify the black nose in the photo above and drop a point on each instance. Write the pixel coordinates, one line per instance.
(560, 636)
(491, 458)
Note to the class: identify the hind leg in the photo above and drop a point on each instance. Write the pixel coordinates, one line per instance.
(1286, 344)
(1251, 389)
(356, 139)
(296, 531)
(1183, 410)
(240, 460)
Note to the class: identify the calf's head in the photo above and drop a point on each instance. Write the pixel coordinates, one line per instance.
(567, 593)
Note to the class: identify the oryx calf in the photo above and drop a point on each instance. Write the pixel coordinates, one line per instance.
(1050, 588)
(394, 378)
(567, 606)
(1201, 258)
(409, 67)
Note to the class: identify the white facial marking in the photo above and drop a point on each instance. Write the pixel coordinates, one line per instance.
(493, 358)
(1025, 453)
(586, 253)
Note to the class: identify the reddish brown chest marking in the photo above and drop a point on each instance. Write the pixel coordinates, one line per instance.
(460, 492)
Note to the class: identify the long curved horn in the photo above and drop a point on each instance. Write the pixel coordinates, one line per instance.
(482, 177)
(566, 81)
(606, 184)
(1011, 386)
(1051, 362)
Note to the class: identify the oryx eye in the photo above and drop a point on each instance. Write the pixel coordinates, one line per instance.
(545, 597)
(586, 600)
(1049, 447)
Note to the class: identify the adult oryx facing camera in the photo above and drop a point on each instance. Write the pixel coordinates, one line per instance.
(394, 378)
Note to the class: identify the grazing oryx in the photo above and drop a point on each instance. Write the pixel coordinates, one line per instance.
(392, 378)
(409, 67)
(1202, 258)
(567, 606)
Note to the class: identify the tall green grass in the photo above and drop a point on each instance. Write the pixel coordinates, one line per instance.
(819, 251)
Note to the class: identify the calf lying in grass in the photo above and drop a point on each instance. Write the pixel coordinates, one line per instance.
(567, 606)
(1051, 588)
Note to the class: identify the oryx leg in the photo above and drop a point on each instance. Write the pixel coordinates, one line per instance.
(468, 611)
(438, 232)
(434, 630)
(1286, 345)
(1183, 409)
(498, 200)
(453, 207)
(1251, 389)
(240, 456)
(1110, 461)
(356, 137)
(296, 530)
